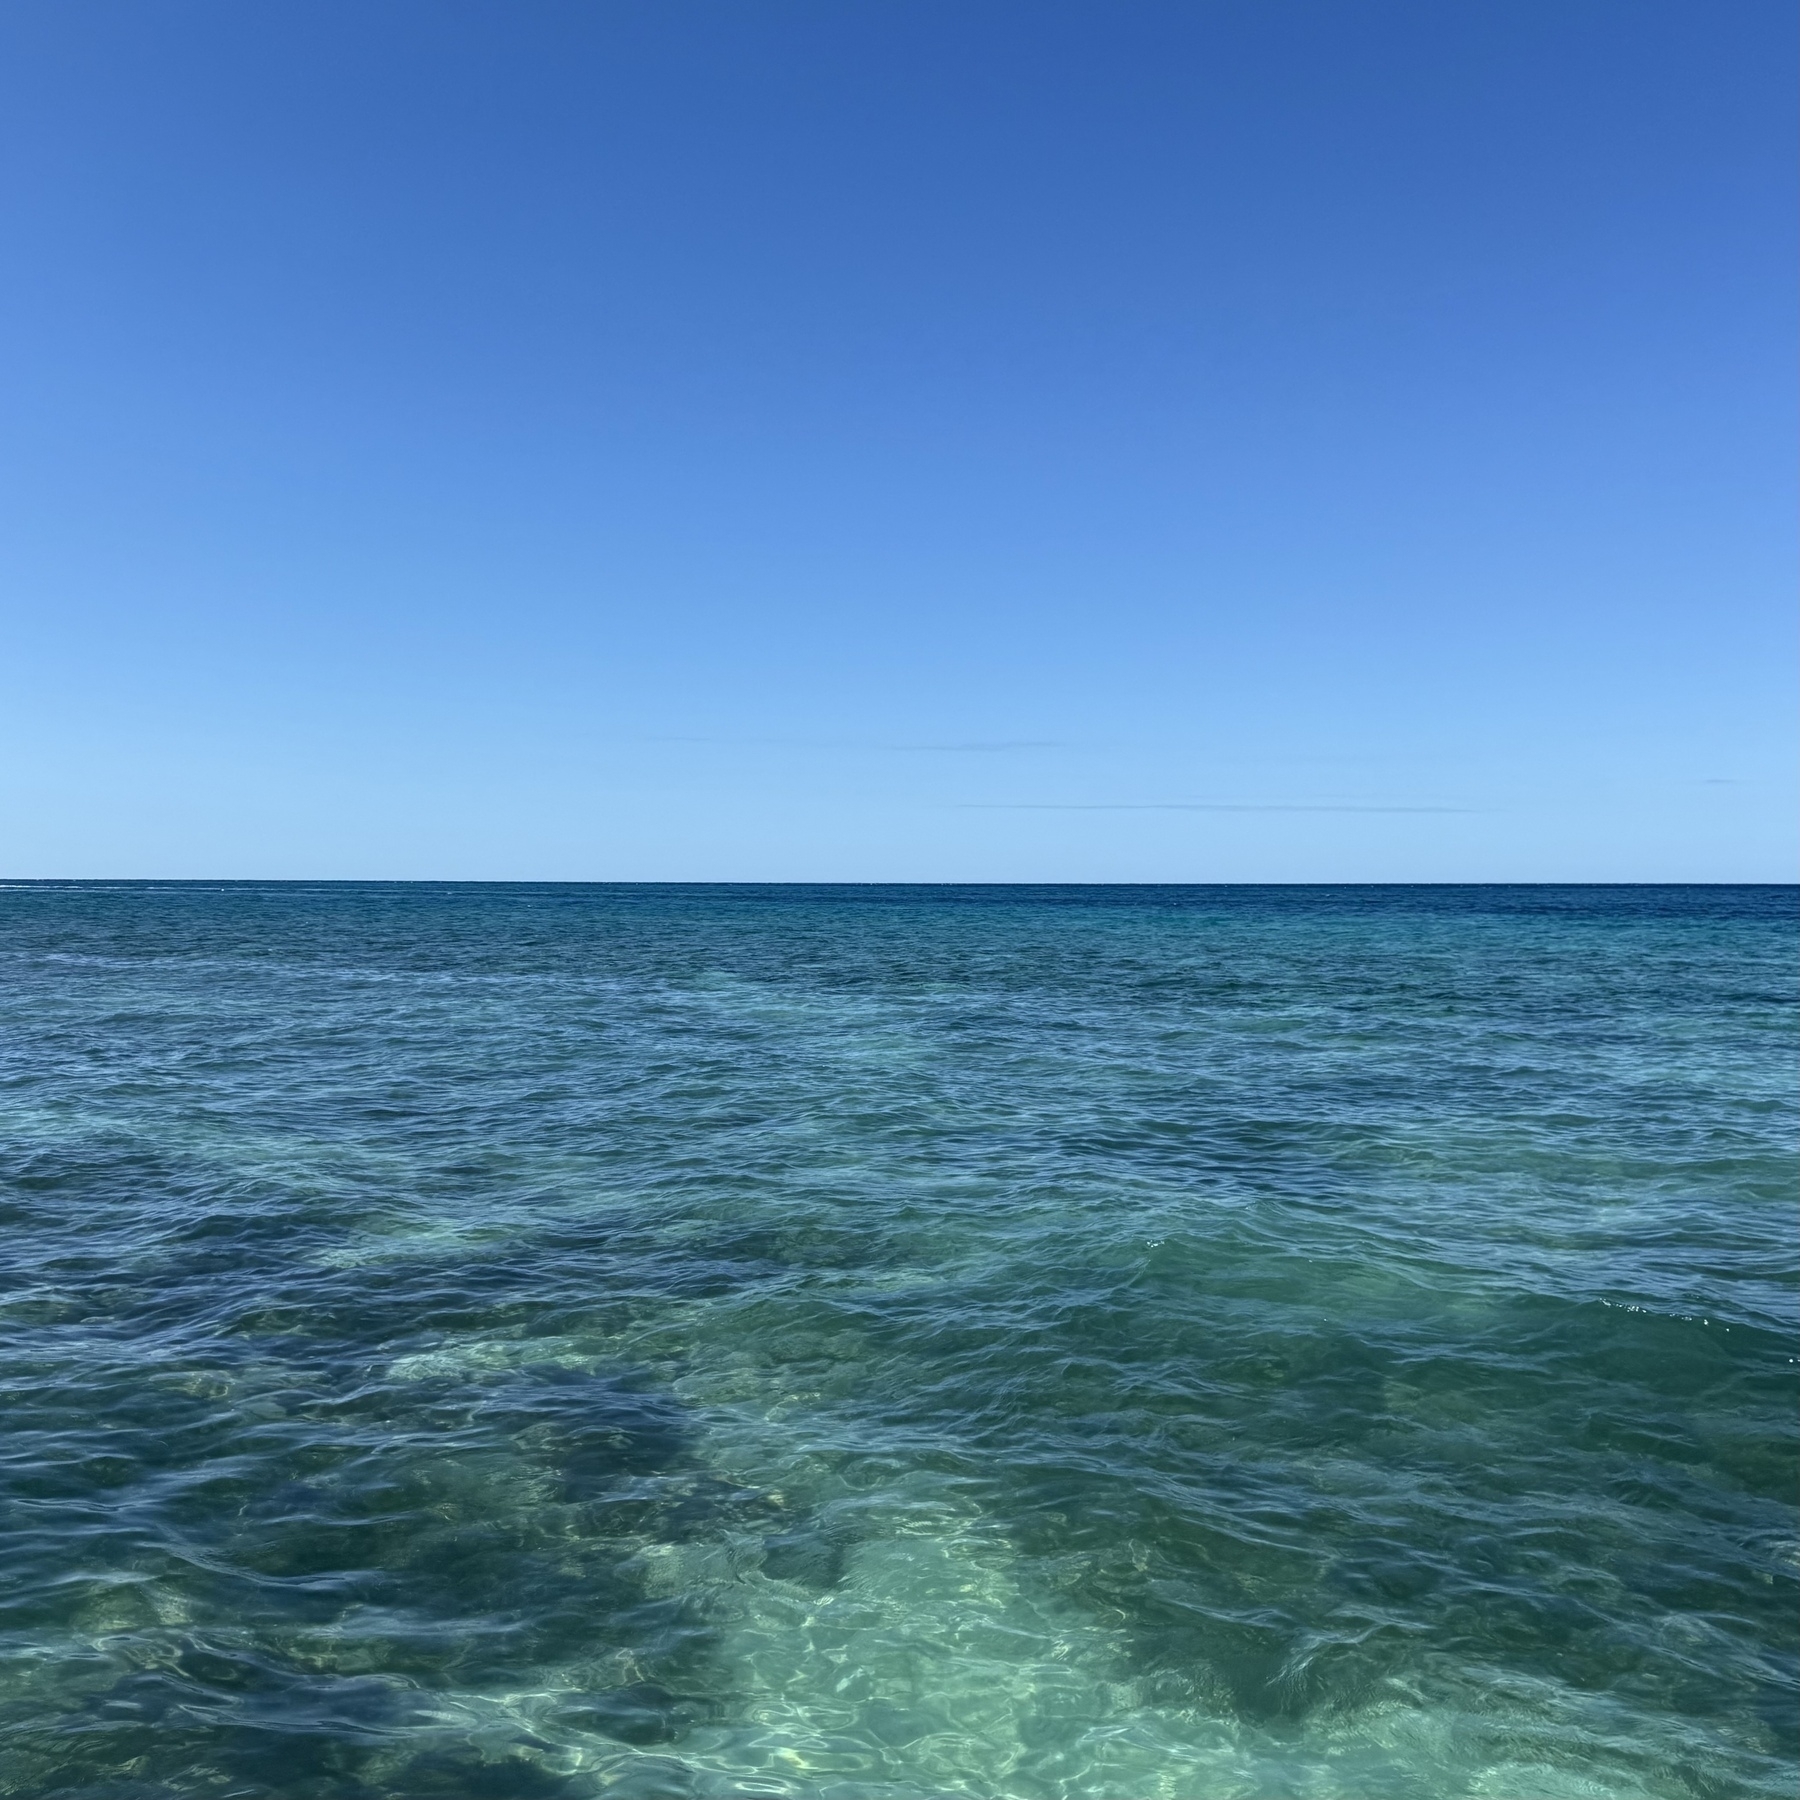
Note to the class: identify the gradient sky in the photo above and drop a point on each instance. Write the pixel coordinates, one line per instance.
(890, 439)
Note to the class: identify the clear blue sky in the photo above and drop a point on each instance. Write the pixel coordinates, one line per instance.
(892, 439)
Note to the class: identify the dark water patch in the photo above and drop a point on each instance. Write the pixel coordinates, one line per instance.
(642, 1712)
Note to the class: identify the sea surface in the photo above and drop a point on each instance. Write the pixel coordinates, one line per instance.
(465, 1342)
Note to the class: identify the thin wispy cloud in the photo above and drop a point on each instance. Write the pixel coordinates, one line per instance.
(980, 748)
(967, 747)
(1211, 806)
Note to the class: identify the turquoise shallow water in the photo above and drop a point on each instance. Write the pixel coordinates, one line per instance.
(561, 1341)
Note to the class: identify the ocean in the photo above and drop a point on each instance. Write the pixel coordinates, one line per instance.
(882, 1343)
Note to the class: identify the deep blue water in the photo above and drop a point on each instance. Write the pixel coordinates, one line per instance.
(560, 1341)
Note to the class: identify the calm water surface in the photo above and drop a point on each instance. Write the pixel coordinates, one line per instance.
(572, 1341)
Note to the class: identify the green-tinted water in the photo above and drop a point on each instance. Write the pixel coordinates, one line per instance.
(1011, 1342)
